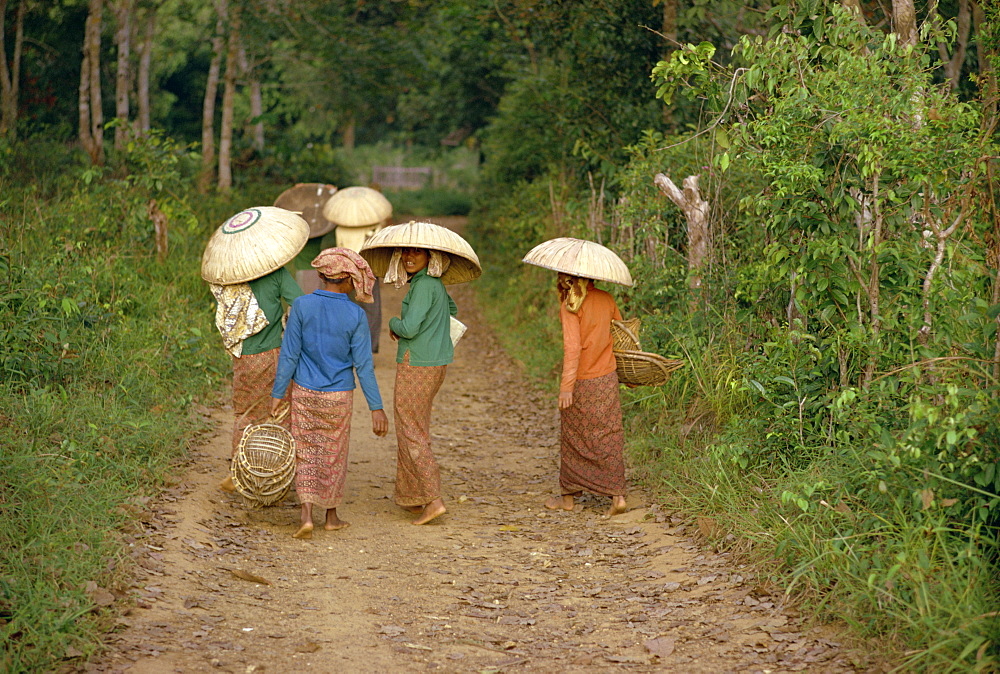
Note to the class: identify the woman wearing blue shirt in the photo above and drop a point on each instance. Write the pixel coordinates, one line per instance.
(326, 341)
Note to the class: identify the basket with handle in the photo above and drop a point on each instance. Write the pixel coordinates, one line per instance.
(638, 368)
(625, 335)
(264, 466)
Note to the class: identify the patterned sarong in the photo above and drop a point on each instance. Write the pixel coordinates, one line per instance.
(418, 480)
(253, 377)
(593, 439)
(321, 426)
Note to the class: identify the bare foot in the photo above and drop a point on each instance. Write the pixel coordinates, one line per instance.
(618, 506)
(433, 509)
(564, 502)
(413, 509)
(334, 523)
(227, 484)
(305, 532)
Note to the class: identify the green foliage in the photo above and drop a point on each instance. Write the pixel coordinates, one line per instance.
(105, 354)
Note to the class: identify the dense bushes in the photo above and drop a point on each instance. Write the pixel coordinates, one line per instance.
(105, 353)
(839, 409)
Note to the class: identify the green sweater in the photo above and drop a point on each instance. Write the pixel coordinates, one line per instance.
(269, 291)
(424, 326)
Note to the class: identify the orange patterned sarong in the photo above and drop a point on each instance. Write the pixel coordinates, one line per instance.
(253, 377)
(593, 439)
(321, 426)
(418, 479)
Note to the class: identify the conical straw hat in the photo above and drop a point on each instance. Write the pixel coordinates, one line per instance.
(357, 207)
(378, 250)
(308, 199)
(253, 243)
(580, 258)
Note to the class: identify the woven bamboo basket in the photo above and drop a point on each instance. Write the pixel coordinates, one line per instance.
(264, 466)
(638, 368)
(625, 335)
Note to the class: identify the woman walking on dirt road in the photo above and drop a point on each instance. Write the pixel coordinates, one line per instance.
(326, 341)
(244, 266)
(426, 256)
(592, 437)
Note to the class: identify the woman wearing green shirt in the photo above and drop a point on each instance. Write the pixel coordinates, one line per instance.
(424, 351)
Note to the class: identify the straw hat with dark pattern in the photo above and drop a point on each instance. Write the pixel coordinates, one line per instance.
(253, 243)
(464, 261)
(308, 200)
(579, 257)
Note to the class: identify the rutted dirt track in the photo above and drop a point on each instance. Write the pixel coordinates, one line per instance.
(497, 584)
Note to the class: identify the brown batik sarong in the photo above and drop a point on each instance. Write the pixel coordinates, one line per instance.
(253, 377)
(593, 439)
(418, 480)
(321, 426)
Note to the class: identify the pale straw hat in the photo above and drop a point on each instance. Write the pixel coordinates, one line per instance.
(579, 257)
(464, 262)
(357, 207)
(253, 243)
(308, 199)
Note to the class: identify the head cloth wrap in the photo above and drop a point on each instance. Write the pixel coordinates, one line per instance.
(395, 273)
(334, 262)
(573, 291)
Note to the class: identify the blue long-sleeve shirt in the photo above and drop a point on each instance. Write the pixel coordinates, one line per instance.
(326, 341)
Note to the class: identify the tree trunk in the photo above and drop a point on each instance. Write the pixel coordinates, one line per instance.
(988, 88)
(699, 234)
(904, 22)
(256, 103)
(228, 101)
(92, 61)
(347, 132)
(86, 140)
(142, 80)
(855, 8)
(10, 74)
(208, 108)
(159, 219)
(123, 10)
(669, 29)
(953, 65)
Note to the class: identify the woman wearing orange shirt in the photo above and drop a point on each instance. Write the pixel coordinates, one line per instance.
(592, 438)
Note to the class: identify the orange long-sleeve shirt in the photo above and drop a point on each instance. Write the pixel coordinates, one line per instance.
(587, 339)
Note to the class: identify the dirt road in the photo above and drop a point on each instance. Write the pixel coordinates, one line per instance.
(497, 584)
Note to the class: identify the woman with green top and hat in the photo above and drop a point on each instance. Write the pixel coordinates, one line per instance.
(244, 266)
(427, 257)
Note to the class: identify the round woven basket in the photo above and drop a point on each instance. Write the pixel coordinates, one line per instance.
(264, 466)
(253, 243)
(638, 368)
(378, 250)
(580, 257)
(308, 200)
(357, 207)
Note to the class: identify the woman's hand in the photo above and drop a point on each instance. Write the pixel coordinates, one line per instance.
(380, 423)
(393, 335)
(275, 404)
(565, 399)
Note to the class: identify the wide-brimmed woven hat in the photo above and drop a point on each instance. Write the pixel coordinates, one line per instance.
(308, 200)
(464, 262)
(253, 243)
(357, 207)
(580, 258)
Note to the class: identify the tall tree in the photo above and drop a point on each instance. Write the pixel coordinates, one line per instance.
(256, 101)
(91, 105)
(123, 10)
(228, 101)
(10, 72)
(211, 91)
(145, 63)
